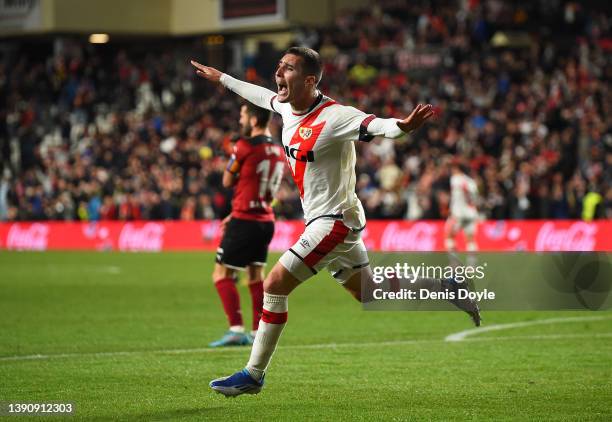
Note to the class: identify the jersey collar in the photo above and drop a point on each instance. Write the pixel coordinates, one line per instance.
(313, 106)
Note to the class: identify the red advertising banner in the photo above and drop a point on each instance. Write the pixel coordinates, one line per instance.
(396, 235)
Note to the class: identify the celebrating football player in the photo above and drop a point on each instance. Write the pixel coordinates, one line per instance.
(317, 136)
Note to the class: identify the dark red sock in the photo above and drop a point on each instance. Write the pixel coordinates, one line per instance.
(230, 299)
(256, 290)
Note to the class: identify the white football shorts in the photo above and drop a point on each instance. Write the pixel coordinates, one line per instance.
(468, 225)
(326, 243)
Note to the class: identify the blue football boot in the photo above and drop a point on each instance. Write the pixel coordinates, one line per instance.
(232, 338)
(240, 383)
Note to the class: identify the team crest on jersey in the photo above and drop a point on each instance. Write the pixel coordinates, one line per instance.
(305, 132)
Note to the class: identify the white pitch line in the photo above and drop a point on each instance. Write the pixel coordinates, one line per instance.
(539, 337)
(295, 347)
(209, 350)
(111, 269)
(462, 335)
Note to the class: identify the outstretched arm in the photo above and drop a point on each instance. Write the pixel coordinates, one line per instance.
(255, 94)
(394, 128)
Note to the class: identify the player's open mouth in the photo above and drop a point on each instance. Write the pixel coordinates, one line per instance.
(282, 89)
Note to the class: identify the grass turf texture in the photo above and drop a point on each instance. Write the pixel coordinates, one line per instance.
(163, 310)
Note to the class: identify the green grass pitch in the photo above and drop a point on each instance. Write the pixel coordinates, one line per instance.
(123, 337)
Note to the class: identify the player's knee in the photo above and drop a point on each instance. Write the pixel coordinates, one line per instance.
(255, 273)
(222, 272)
(274, 282)
(280, 281)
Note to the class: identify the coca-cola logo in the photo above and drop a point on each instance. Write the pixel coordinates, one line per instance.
(149, 237)
(417, 237)
(33, 238)
(578, 236)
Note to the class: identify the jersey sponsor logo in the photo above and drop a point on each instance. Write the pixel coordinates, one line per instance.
(299, 155)
(305, 132)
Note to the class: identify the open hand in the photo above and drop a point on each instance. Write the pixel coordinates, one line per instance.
(419, 115)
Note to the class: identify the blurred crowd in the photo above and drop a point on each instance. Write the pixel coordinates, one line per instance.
(522, 94)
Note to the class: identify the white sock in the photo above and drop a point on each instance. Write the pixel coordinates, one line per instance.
(270, 328)
(237, 329)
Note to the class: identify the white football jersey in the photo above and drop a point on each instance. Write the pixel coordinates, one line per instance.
(320, 151)
(464, 194)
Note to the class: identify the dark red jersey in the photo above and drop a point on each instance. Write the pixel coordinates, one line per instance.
(259, 165)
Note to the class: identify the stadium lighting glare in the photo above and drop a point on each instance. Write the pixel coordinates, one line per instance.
(98, 38)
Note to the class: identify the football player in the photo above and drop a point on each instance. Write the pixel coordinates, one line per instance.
(318, 135)
(255, 169)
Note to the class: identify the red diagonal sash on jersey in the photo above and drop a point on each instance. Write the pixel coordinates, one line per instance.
(306, 144)
(327, 244)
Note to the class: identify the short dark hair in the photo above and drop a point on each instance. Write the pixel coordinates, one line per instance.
(261, 115)
(311, 61)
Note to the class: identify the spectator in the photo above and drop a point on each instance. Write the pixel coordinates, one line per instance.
(136, 139)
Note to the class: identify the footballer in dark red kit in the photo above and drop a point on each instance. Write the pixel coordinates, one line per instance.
(261, 165)
(255, 170)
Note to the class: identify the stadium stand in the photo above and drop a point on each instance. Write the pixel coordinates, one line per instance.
(127, 133)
